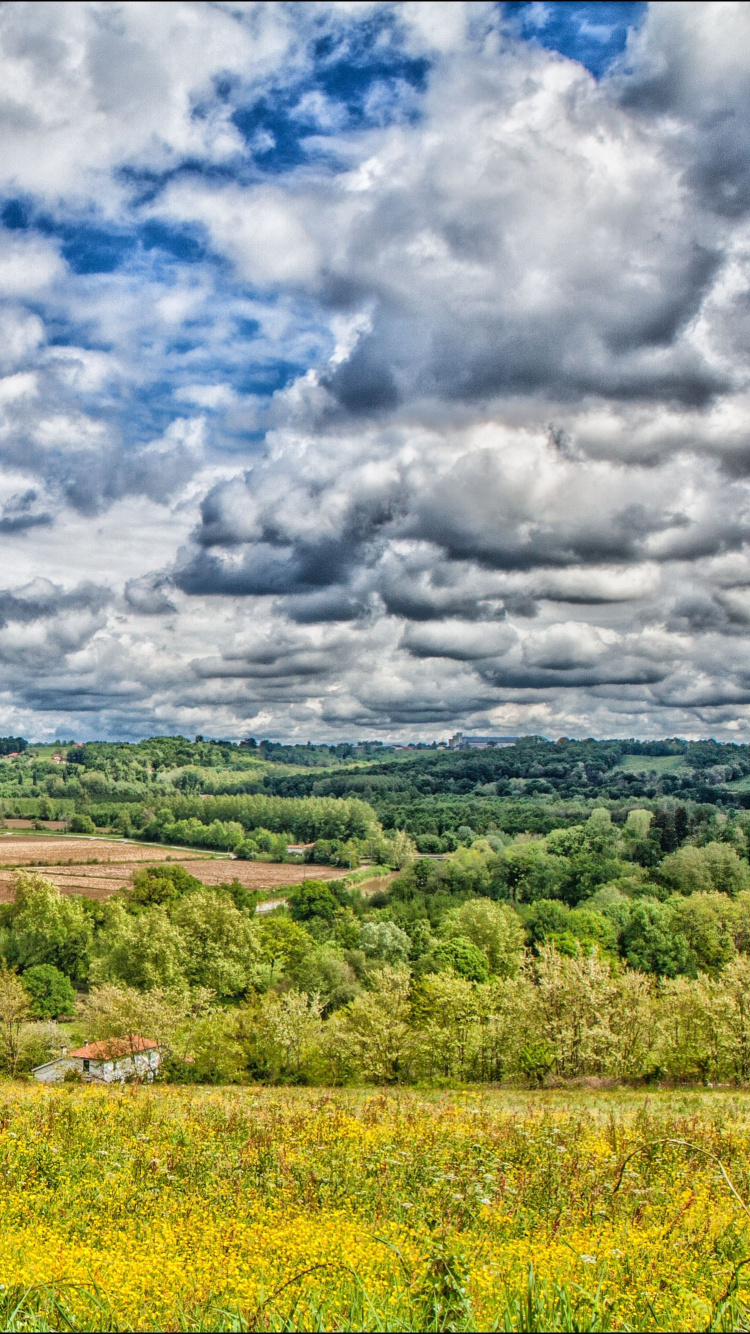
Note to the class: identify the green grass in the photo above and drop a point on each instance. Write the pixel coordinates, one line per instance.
(656, 764)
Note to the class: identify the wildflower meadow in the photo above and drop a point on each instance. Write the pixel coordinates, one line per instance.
(176, 1208)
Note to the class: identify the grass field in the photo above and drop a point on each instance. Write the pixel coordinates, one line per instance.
(400, 1210)
(653, 764)
(99, 867)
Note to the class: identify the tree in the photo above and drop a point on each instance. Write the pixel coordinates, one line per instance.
(311, 899)
(385, 941)
(15, 1009)
(282, 1035)
(509, 1020)
(50, 991)
(729, 873)
(448, 1011)
(689, 1034)
(162, 884)
(575, 1001)
(703, 920)
(211, 1055)
(734, 1018)
(221, 946)
(324, 973)
(687, 871)
(651, 943)
(601, 834)
(124, 1013)
(493, 928)
(464, 957)
(374, 1030)
(146, 951)
(284, 943)
(81, 824)
(402, 851)
(525, 872)
(49, 928)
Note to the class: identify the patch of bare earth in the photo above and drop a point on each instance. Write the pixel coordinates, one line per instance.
(263, 875)
(17, 850)
(13, 823)
(100, 868)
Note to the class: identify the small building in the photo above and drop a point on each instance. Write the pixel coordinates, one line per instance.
(109, 1062)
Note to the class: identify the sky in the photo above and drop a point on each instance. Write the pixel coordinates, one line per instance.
(374, 370)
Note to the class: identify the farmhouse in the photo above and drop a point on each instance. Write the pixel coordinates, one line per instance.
(108, 1062)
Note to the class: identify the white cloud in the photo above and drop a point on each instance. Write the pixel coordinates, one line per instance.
(448, 424)
(28, 264)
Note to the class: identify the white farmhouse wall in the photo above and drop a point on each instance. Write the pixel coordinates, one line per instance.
(144, 1065)
(55, 1071)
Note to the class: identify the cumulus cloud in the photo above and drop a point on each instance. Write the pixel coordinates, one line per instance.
(373, 368)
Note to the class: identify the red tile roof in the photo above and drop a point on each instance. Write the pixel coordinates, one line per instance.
(113, 1047)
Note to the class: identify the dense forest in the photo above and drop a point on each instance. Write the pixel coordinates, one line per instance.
(553, 909)
(430, 792)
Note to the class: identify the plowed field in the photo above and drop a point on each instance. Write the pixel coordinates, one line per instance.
(99, 867)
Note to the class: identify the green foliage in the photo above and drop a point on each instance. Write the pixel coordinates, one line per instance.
(524, 872)
(284, 944)
(50, 990)
(49, 928)
(464, 957)
(325, 974)
(220, 944)
(569, 895)
(144, 952)
(650, 943)
(81, 824)
(162, 884)
(313, 898)
(493, 928)
(535, 1060)
(384, 941)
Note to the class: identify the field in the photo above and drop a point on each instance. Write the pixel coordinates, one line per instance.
(292, 1209)
(655, 764)
(99, 867)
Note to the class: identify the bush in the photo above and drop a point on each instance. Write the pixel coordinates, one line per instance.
(51, 992)
(162, 884)
(81, 824)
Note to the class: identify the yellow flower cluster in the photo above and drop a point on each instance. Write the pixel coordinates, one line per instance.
(178, 1209)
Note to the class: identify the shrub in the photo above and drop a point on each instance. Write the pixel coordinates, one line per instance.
(81, 824)
(162, 884)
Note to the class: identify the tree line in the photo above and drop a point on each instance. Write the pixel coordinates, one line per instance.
(588, 950)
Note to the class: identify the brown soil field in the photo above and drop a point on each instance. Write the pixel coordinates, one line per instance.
(263, 875)
(17, 850)
(99, 868)
(14, 822)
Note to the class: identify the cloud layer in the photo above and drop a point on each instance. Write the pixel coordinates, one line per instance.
(374, 370)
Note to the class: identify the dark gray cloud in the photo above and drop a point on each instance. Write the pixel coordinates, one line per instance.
(43, 600)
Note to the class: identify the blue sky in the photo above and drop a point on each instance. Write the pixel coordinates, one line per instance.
(374, 370)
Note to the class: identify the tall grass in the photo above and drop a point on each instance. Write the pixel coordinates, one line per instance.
(284, 1210)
